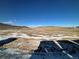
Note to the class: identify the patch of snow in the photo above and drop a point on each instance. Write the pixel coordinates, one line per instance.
(20, 35)
(12, 51)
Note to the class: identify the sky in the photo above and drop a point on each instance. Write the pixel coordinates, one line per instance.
(40, 12)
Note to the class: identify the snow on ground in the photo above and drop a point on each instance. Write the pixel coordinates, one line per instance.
(14, 35)
(56, 54)
(15, 54)
(23, 35)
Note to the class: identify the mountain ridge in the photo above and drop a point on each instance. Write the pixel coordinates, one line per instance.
(9, 26)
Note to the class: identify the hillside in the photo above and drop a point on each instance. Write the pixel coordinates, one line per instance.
(30, 43)
(57, 30)
(42, 30)
(8, 27)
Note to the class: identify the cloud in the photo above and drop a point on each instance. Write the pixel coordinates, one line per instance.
(35, 25)
(9, 22)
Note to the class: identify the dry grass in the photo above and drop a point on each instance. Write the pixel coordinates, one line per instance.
(56, 30)
(23, 44)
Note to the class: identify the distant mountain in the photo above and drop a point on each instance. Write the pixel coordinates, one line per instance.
(8, 26)
(77, 26)
(54, 28)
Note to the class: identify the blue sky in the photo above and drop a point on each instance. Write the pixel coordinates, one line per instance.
(40, 12)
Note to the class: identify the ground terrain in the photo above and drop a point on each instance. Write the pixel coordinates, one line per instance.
(50, 41)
